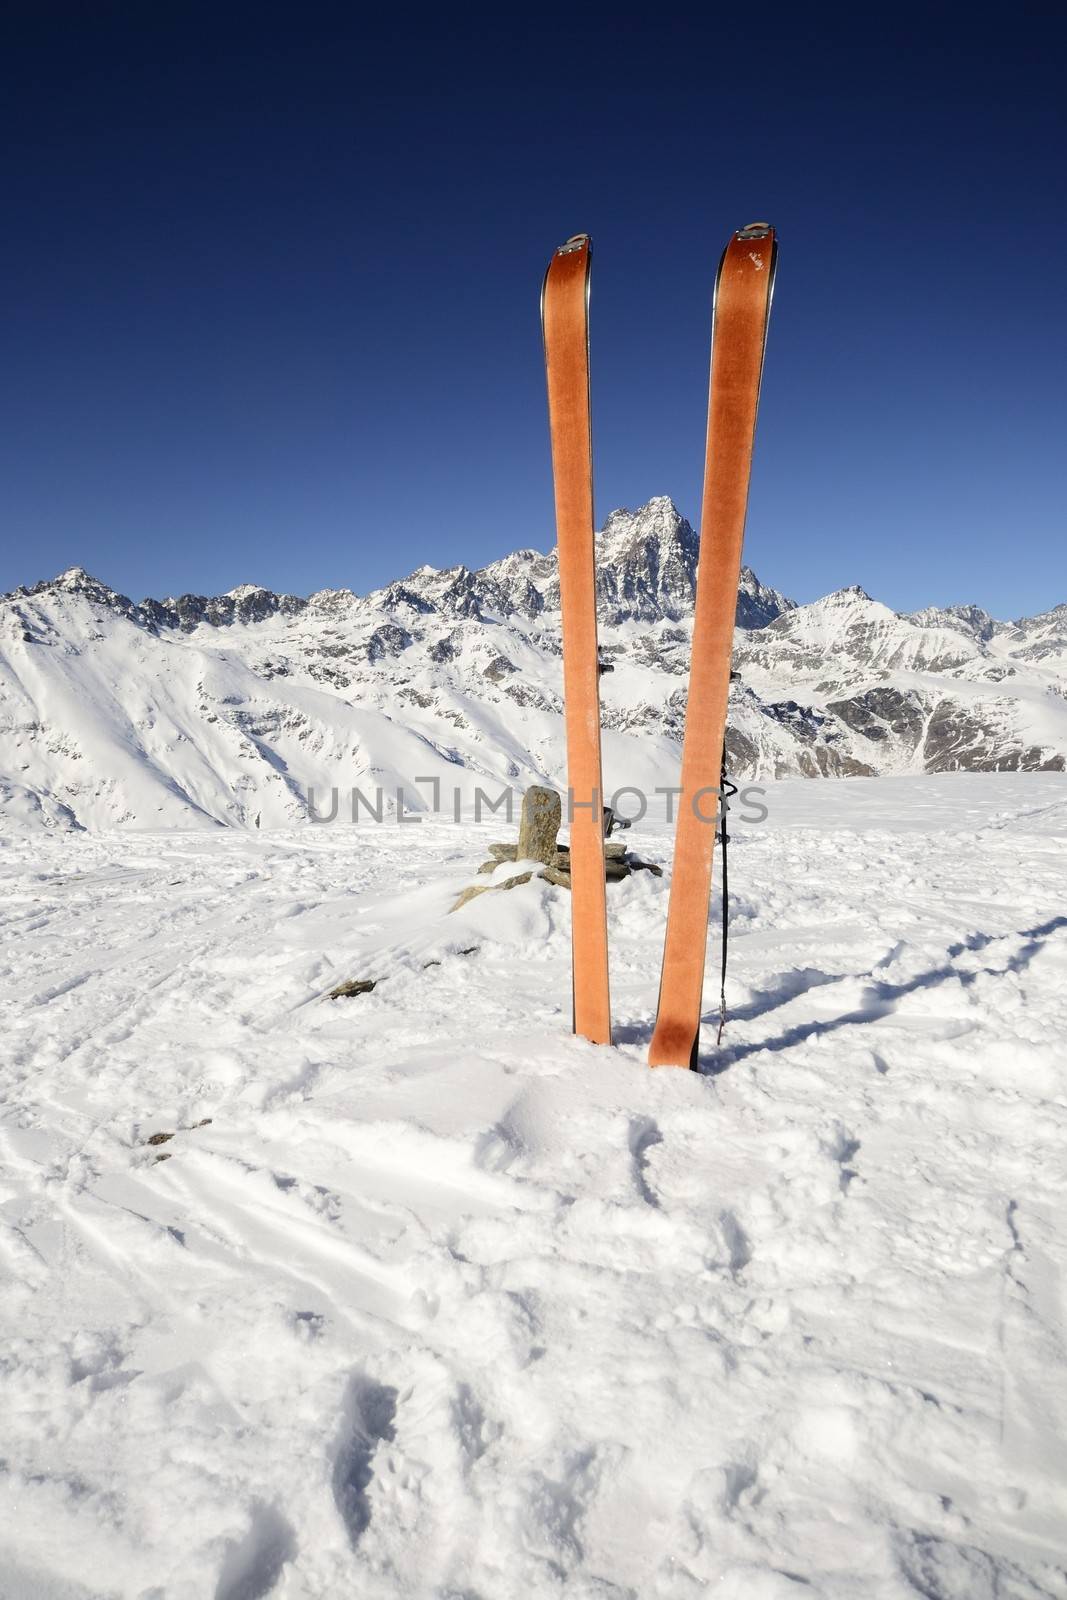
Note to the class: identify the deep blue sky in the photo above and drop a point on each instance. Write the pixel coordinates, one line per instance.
(270, 279)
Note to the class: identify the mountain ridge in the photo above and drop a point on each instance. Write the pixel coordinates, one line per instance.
(206, 710)
(524, 582)
(659, 519)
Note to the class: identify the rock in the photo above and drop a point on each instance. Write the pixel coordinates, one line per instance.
(353, 986)
(464, 950)
(615, 869)
(475, 889)
(542, 813)
(555, 875)
(614, 850)
(498, 669)
(471, 893)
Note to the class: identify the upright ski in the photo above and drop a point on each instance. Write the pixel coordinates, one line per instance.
(565, 325)
(739, 331)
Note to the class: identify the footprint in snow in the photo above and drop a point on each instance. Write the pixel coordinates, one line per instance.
(369, 1417)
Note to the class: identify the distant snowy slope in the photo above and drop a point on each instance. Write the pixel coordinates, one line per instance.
(198, 711)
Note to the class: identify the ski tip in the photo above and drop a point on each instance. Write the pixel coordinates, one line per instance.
(754, 230)
(572, 260)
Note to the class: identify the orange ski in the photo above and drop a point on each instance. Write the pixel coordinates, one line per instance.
(565, 324)
(739, 331)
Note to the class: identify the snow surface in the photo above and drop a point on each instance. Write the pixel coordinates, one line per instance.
(445, 1302)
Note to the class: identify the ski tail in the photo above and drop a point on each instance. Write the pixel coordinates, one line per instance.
(565, 327)
(741, 309)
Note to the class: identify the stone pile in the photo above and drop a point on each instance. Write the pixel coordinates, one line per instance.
(539, 824)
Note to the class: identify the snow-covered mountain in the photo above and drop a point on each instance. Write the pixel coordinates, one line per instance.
(196, 710)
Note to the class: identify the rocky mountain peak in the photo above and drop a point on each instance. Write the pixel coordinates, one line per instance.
(76, 582)
(646, 571)
(646, 562)
(244, 590)
(969, 619)
(332, 602)
(658, 520)
(758, 605)
(1056, 618)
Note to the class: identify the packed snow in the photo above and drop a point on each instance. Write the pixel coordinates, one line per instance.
(417, 1295)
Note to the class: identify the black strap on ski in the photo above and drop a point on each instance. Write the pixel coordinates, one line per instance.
(726, 790)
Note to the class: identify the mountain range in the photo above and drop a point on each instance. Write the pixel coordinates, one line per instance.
(198, 711)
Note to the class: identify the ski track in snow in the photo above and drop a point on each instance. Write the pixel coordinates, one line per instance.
(445, 1302)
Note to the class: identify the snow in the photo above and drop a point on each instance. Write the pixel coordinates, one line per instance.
(445, 1302)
